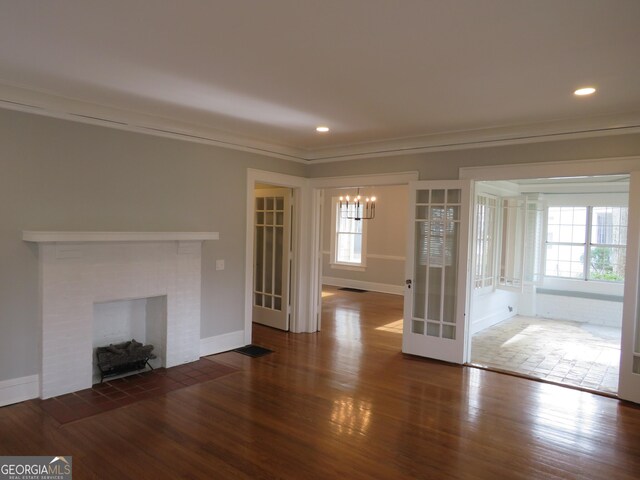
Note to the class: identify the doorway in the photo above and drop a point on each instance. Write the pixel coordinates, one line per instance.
(299, 287)
(548, 278)
(383, 268)
(363, 265)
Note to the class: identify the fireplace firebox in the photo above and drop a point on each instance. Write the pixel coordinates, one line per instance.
(122, 358)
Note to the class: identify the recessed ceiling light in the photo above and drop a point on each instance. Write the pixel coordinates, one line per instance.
(322, 129)
(584, 91)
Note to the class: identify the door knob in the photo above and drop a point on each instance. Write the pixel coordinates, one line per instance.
(408, 282)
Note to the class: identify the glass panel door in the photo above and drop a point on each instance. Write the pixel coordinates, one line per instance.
(272, 257)
(437, 253)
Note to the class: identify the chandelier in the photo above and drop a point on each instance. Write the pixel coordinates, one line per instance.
(357, 209)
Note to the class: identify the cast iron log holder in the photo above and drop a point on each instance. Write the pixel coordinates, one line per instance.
(125, 357)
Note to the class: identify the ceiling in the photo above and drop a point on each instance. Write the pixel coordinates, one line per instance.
(384, 75)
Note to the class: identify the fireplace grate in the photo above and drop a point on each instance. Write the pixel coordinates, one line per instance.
(125, 357)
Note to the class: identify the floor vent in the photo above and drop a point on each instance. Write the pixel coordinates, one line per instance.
(253, 351)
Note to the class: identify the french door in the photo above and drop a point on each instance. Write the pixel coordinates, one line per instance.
(272, 257)
(435, 300)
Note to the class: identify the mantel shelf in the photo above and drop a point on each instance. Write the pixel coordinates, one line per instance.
(83, 237)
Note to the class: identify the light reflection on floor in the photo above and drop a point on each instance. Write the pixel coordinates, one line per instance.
(350, 416)
(394, 327)
(348, 335)
(347, 324)
(577, 411)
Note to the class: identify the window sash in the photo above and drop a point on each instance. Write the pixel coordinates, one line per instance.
(486, 211)
(586, 259)
(348, 239)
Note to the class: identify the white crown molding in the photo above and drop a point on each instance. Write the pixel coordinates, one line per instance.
(48, 104)
(374, 179)
(565, 168)
(42, 103)
(75, 237)
(626, 123)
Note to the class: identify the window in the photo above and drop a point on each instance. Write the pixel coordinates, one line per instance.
(486, 208)
(348, 240)
(586, 242)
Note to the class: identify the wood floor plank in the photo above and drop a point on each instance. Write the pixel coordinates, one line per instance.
(344, 403)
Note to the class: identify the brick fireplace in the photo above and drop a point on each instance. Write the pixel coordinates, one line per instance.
(82, 270)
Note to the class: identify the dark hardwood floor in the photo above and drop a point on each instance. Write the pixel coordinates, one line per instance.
(344, 403)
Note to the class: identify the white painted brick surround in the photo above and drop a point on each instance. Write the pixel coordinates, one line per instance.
(587, 310)
(74, 276)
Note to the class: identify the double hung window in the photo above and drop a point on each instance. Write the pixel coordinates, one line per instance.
(586, 242)
(348, 240)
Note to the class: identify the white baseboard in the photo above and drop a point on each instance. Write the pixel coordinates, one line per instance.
(221, 343)
(490, 321)
(372, 286)
(19, 389)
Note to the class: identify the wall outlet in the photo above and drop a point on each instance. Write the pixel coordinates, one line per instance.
(219, 264)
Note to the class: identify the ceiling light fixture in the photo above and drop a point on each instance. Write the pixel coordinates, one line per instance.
(322, 129)
(358, 209)
(584, 91)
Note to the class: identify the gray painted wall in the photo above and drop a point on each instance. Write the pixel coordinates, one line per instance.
(61, 175)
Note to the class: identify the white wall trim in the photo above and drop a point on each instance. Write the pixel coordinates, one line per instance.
(19, 389)
(492, 137)
(221, 343)
(377, 179)
(490, 320)
(565, 188)
(344, 266)
(69, 237)
(377, 256)
(569, 168)
(42, 103)
(371, 286)
(629, 383)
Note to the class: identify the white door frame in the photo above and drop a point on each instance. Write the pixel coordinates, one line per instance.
(317, 186)
(629, 387)
(300, 272)
(587, 167)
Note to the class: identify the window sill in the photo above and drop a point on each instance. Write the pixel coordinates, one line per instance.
(347, 266)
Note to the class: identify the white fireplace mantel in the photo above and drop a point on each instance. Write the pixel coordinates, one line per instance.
(83, 237)
(79, 270)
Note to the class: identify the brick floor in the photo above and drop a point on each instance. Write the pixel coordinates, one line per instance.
(126, 390)
(560, 351)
